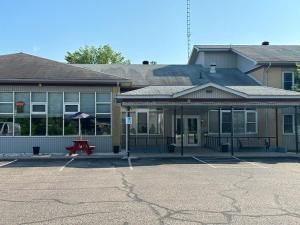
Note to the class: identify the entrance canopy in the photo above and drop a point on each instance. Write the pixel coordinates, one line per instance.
(209, 94)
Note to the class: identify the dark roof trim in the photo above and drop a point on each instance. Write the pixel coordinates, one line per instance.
(26, 81)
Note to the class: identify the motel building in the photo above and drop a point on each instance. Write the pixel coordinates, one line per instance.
(226, 98)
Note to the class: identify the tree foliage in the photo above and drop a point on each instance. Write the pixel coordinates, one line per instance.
(96, 55)
(297, 79)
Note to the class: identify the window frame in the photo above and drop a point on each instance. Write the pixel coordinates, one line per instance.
(283, 80)
(39, 103)
(64, 113)
(68, 104)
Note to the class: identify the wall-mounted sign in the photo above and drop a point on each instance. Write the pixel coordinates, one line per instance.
(128, 120)
(20, 107)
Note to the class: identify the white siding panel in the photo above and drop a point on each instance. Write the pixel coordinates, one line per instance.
(208, 93)
(50, 144)
(222, 59)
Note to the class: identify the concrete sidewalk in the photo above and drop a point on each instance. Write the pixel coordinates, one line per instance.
(204, 154)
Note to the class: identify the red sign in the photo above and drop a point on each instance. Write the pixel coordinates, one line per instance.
(20, 107)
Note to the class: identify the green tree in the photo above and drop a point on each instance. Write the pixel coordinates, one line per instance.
(96, 55)
(297, 79)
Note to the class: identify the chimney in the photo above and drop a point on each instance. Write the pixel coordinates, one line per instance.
(145, 62)
(265, 43)
(213, 68)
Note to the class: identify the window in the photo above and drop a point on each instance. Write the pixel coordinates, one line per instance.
(103, 124)
(251, 122)
(6, 102)
(239, 122)
(6, 125)
(38, 108)
(213, 121)
(226, 121)
(87, 105)
(55, 114)
(288, 124)
(155, 122)
(244, 121)
(50, 113)
(142, 122)
(288, 80)
(22, 114)
(38, 113)
(103, 114)
(71, 108)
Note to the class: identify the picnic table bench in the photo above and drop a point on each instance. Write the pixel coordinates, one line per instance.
(80, 145)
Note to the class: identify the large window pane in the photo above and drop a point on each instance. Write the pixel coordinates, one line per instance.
(103, 108)
(103, 97)
(88, 126)
(213, 123)
(71, 97)
(38, 97)
(226, 122)
(22, 113)
(6, 125)
(71, 126)
(288, 124)
(142, 122)
(6, 107)
(23, 126)
(239, 122)
(55, 114)
(55, 104)
(153, 122)
(38, 125)
(251, 122)
(103, 125)
(87, 105)
(55, 125)
(6, 97)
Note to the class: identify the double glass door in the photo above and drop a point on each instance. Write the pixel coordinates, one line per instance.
(191, 131)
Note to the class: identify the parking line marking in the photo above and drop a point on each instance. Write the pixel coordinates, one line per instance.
(9, 163)
(67, 163)
(252, 163)
(202, 161)
(129, 163)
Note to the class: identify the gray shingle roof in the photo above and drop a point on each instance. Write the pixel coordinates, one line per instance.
(244, 91)
(261, 53)
(157, 90)
(172, 75)
(22, 67)
(263, 91)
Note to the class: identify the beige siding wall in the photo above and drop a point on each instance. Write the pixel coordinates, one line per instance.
(271, 77)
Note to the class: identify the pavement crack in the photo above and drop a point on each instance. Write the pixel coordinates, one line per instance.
(64, 217)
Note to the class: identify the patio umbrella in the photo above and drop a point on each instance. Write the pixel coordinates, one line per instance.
(79, 116)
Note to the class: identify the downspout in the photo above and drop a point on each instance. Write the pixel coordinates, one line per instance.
(266, 81)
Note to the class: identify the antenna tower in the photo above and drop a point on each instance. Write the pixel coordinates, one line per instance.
(188, 26)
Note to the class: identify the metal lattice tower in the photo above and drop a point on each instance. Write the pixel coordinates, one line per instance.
(188, 26)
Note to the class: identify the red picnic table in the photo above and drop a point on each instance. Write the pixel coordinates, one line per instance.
(80, 145)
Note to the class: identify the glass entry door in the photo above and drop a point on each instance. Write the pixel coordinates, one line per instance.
(191, 131)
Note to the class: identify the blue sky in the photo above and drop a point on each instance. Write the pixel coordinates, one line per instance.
(143, 29)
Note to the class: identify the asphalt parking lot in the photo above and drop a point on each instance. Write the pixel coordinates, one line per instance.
(190, 190)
